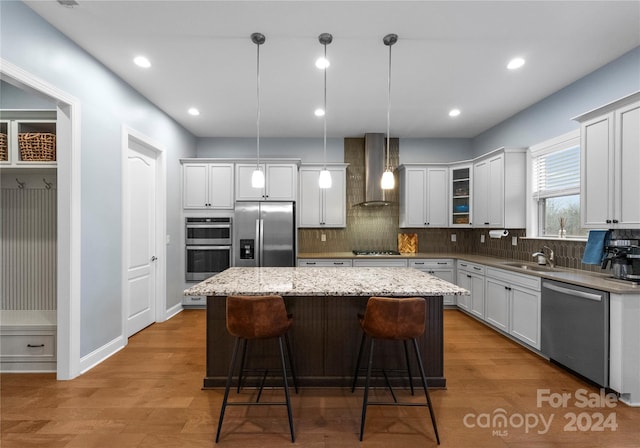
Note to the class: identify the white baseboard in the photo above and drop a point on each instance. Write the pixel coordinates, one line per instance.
(97, 356)
(174, 310)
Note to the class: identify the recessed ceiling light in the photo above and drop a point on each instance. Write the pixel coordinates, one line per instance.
(322, 63)
(515, 63)
(141, 61)
(193, 111)
(319, 112)
(454, 112)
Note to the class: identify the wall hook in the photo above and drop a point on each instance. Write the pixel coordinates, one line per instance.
(47, 185)
(20, 184)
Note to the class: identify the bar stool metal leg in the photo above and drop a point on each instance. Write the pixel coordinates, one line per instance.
(293, 369)
(426, 389)
(406, 356)
(365, 400)
(355, 374)
(228, 386)
(286, 390)
(244, 357)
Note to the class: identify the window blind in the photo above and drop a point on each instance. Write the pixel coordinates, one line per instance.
(557, 173)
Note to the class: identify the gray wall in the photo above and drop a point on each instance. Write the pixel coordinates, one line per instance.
(434, 150)
(12, 97)
(310, 150)
(106, 104)
(553, 115)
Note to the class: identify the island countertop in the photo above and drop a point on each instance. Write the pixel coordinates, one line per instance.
(324, 281)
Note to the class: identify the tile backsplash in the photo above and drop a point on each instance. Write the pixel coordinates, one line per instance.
(376, 228)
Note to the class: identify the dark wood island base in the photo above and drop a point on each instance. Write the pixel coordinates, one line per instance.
(325, 338)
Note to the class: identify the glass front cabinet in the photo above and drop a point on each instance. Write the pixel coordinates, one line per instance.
(460, 209)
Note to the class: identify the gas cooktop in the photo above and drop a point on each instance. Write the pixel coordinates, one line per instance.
(376, 252)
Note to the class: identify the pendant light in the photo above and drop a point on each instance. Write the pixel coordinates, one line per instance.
(324, 181)
(388, 182)
(257, 178)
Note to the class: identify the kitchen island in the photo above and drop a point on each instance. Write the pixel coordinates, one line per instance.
(325, 334)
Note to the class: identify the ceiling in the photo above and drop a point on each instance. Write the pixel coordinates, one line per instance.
(449, 54)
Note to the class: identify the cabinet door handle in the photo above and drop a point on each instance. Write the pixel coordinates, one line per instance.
(468, 276)
(608, 221)
(419, 262)
(486, 223)
(35, 345)
(338, 263)
(310, 263)
(477, 268)
(615, 221)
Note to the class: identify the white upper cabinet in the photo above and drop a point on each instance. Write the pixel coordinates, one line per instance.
(610, 163)
(499, 189)
(207, 186)
(424, 199)
(281, 182)
(322, 207)
(28, 139)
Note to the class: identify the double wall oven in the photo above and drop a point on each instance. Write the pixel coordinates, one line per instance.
(208, 247)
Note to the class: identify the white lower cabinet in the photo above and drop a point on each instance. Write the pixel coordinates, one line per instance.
(513, 304)
(441, 268)
(471, 277)
(28, 341)
(624, 347)
(320, 263)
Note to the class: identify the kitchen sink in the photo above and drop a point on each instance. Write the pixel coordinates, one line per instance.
(530, 267)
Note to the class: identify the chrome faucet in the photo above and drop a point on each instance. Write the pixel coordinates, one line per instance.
(548, 258)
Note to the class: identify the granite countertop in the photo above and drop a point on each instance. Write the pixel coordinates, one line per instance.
(595, 280)
(324, 282)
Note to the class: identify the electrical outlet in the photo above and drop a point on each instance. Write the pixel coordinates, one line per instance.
(482, 238)
(514, 240)
(453, 237)
(323, 237)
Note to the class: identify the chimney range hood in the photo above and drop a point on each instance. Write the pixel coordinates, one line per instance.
(374, 157)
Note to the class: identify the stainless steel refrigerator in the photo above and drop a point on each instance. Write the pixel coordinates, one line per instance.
(264, 234)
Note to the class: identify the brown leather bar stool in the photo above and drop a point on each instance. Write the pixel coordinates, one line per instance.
(394, 319)
(258, 317)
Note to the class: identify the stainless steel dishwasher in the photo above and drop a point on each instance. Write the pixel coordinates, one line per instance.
(575, 329)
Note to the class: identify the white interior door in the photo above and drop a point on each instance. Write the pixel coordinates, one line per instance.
(140, 238)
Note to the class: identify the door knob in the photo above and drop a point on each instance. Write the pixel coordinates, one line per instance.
(154, 258)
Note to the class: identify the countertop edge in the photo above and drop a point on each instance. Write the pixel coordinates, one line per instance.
(578, 277)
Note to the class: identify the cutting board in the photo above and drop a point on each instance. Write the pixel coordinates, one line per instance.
(407, 243)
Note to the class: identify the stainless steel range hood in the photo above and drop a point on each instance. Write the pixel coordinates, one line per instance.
(374, 165)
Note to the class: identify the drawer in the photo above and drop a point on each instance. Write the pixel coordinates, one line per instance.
(470, 267)
(429, 264)
(194, 301)
(318, 263)
(380, 263)
(21, 347)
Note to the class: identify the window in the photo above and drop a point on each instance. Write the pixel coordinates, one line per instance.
(555, 188)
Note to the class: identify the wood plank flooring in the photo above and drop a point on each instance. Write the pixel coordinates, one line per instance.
(149, 395)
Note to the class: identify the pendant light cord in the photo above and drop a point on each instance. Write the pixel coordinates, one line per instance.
(325, 108)
(258, 108)
(389, 111)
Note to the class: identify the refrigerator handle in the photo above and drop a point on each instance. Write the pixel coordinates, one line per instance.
(260, 223)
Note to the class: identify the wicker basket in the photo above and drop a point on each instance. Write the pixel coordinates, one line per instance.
(4, 155)
(40, 146)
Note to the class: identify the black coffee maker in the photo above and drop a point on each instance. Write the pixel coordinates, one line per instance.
(624, 258)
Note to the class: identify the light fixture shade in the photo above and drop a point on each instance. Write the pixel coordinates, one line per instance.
(388, 182)
(324, 181)
(257, 179)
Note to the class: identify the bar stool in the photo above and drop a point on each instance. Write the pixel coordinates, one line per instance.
(393, 319)
(258, 317)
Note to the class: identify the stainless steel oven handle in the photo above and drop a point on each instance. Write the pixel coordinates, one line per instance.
(572, 292)
(208, 226)
(208, 247)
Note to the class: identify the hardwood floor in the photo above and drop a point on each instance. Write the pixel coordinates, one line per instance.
(149, 395)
